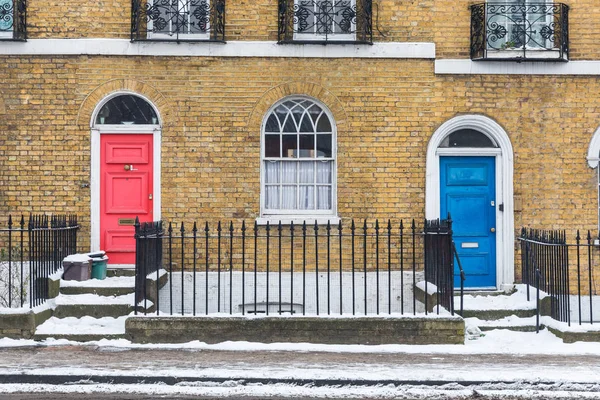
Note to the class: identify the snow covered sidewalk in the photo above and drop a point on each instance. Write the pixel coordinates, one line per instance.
(501, 361)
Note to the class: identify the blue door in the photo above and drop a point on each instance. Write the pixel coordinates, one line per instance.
(468, 193)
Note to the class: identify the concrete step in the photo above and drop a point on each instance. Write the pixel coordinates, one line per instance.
(116, 271)
(83, 329)
(113, 286)
(523, 328)
(81, 305)
(492, 314)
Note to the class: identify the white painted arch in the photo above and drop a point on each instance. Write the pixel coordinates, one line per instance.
(593, 154)
(96, 131)
(505, 235)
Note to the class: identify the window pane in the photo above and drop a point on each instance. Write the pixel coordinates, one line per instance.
(323, 125)
(288, 197)
(324, 170)
(290, 144)
(272, 197)
(467, 138)
(324, 197)
(271, 172)
(323, 145)
(306, 124)
(126, 110)
(289, 126)
(306, 172)
(288, 172)
(272, 146)
(307, 145)
(307, 198)
(6, 15)
(272, 124)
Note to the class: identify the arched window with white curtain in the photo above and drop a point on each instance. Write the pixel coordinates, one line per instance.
(298, 158)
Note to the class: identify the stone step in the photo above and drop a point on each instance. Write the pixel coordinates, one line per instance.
(81, 305)
(83, 329)
(113, 286)
(492, 314)
(523, 328)
(115, 271)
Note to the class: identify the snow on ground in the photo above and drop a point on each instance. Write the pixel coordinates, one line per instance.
(513, 301)
(515, 321)
(82, 326)
(240, 390)
(112, 282)
(498, 341)
(89, 298)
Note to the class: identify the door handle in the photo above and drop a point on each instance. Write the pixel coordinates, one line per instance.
(493, 230)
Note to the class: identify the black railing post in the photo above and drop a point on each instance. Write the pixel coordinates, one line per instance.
(10, 289)
(230, 267)
(219, 266)
(279, 229)
(243, 267)
(401, 267)
(170, 232)
(292, 267)
(365, 261)
(352, 230)
(194, 234)
(340, 235)
(316, 229)
(206, 266)
(138, 265)
(22, 231)
(389, 251)
(589, 250)
(578, 245)
(268, 252)
(328, 228)
(377, 266)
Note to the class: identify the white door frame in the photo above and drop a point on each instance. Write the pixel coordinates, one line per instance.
(505, 235)
(96, 131)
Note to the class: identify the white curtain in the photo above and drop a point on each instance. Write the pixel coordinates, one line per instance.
(324, 192)
(272, 192)
(288, 193)
(296, 181)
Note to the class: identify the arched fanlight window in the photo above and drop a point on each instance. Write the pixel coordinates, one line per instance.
(298, 157)
(467, 138)
(127, 109)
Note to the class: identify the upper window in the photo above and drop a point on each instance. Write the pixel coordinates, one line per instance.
(127, 109)
(467, 138)
(519, 29)
(325, 21)
(178, 20)
(298, 160)
(12, 19)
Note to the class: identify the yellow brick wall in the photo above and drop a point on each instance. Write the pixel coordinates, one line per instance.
(452, 24)
(245, 20)
(213, 108)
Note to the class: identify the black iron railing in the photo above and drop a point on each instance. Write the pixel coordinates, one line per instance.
(325, 21)
(367, 268)
(13, 20)
(513, 31)
(148, 253)
(178, 20)
(549, 263)
(30, 251)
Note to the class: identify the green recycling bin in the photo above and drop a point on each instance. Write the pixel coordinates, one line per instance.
(99, 267)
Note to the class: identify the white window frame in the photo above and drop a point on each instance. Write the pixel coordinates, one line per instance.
(298, 216)
(322, 37)
(181, 35)
(9, 34)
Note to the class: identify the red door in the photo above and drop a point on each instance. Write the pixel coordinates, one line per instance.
(125, 192)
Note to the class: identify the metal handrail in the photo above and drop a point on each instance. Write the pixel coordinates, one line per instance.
(462, 278)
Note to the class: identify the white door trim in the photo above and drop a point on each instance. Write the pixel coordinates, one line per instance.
(505, 236)
(96, 131)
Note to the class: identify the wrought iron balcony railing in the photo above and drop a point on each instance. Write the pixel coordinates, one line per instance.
(520, 31)
(13, 20)
(325, 21)
(178, 20)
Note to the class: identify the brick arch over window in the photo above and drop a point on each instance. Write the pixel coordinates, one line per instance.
(288, 89)
(123, 85)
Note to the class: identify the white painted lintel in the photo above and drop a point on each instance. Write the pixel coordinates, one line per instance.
(468, 67)
(124, 47)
